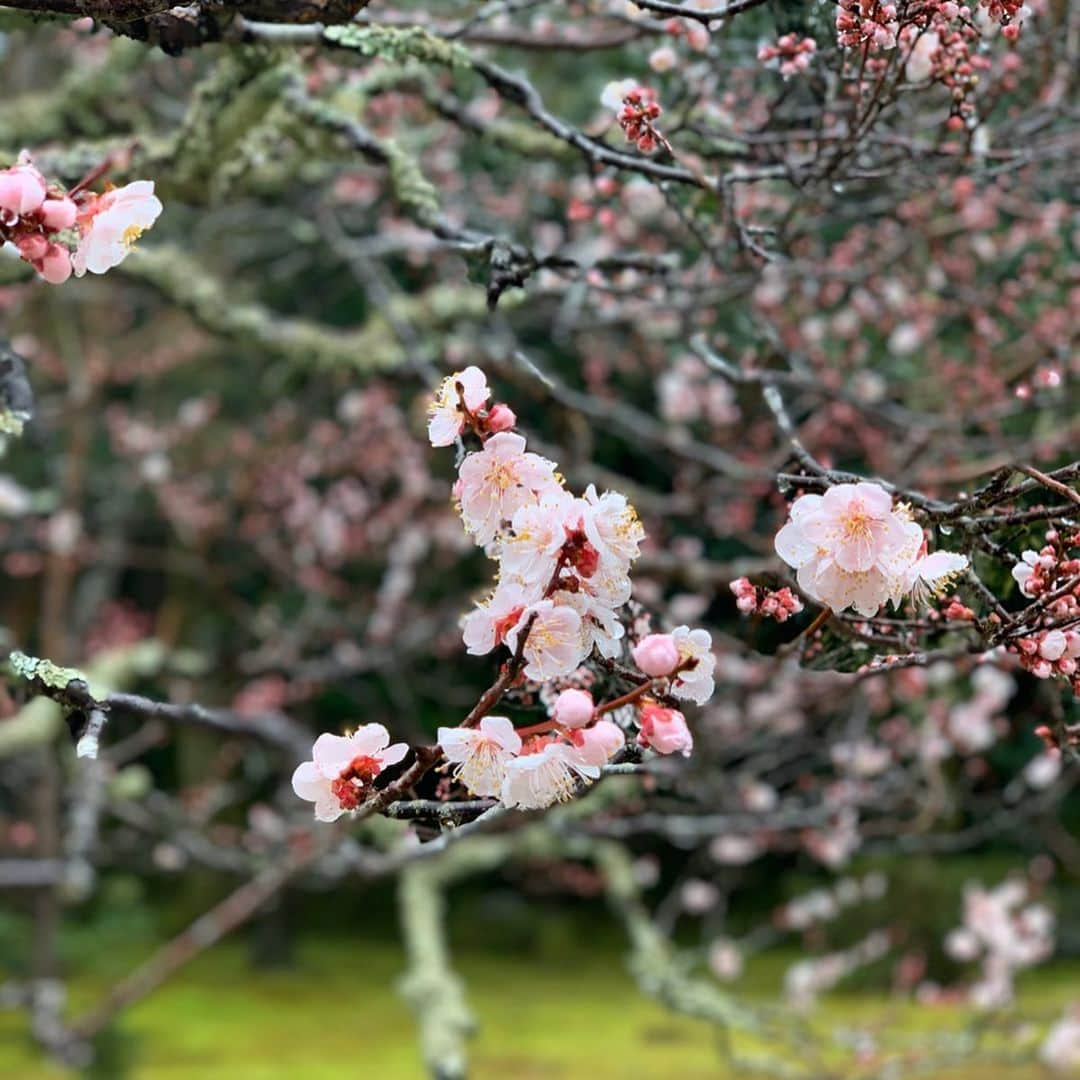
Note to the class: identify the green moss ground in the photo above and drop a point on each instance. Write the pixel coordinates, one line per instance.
(334, 1014)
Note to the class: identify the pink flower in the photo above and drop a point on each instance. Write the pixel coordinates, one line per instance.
(851, 549)
(665, 731)
(111, 225)
(1053, 645)
(596, 745)
(496, 482)
(22, 191)
(537, 535)
(548, 774)
(446, 420)
(480, 755)
(573, 708)
(554, 645)
(656, 655)
(339, 776)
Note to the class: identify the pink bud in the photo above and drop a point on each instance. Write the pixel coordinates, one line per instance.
(746, 604)
(55, 266)
(22, 190)
(573, 708)
(1042, 669)
(598, 743)
(665, 731)
(58, 214)
(1066, 666)
(501, 418)
(32, 246)
(657, 655)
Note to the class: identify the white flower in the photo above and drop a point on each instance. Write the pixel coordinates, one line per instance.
(342, 768)
(613, 94)
(496, 482)
(933, 574)
(490, 621)
(446, 420)
(1023, 570)
(695, 683)
(119, 218)
(612, 526)
(1061, 1048)
(480, 755)
(553, 647)
(547, 776)
(537, 534)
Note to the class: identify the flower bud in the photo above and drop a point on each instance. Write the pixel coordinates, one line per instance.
(501, 418)
(58, 214)
(573, 708)
(665, 731)
(55, 265)
(656, 655)
(598, 743)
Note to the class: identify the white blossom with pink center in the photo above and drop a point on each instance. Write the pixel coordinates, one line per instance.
(537, 534)
(496, 482)
(488, 624)
(851, 548)
(339, 775)
(111, 225)
(446, 419)
(480, 755)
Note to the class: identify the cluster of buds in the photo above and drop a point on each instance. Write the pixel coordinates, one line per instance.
(59, 232)
(31, 216)
(1052, 652)
(1050, 568)
(696, 34)
(637, 118)
(866, 22)
(1007, 13)
(792, 53)
(778, 604)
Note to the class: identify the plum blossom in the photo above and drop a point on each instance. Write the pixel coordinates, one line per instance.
(553, 646)
(446, 418)
(695, 680)
(110, 225)
(546, 772)
(342, 768)
(496, 482)
(850, 547)
(933, 574)
(1060, 1049)
(665, 731)
(480, 755)
(596, 745)
(491, 620)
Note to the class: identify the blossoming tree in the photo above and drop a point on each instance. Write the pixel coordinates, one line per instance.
(769, 559)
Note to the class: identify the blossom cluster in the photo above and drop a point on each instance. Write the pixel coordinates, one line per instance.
(792, 53)
(1007, 932)
(869, 22)
(778, 604)
(60, 232)
(852, 548)
(637, 117)
(564, 574)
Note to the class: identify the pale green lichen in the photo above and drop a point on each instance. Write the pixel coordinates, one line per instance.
(398, 44)
(36, 669)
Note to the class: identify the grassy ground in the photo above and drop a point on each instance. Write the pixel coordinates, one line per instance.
(335, 1014)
